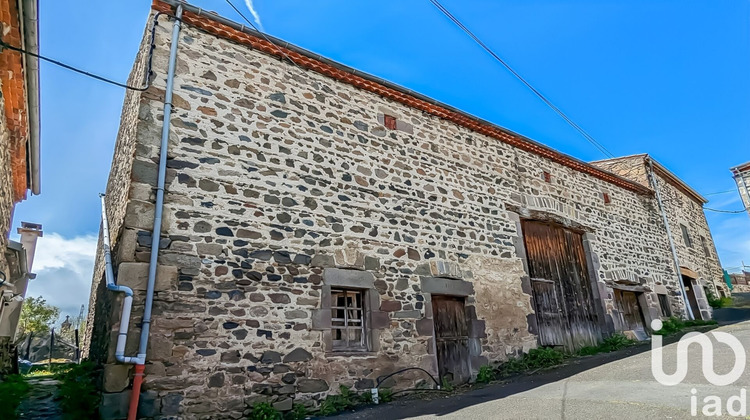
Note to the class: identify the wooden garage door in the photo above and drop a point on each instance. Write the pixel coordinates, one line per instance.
(560, 282)
(451, 338)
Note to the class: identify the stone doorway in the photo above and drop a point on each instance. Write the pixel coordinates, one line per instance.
(631, 312)
(451, 338)
(690, 285)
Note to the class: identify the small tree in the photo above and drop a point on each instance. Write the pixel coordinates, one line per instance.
(37, 316)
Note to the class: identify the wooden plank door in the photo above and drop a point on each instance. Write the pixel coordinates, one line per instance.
(632, 316)
(549, 315)
(451, 338)
(555, 254)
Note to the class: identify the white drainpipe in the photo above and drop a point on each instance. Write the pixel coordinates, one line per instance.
(127, 302)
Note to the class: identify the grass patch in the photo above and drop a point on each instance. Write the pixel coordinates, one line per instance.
(539, 358)
(12, 390)
(485, 375)
(674, 325)
(78, 393)
(717, 303)
(348, 400)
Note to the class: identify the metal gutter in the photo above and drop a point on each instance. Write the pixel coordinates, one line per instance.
(158, 212)
(29, 12)
(675, 257)
(634, 186)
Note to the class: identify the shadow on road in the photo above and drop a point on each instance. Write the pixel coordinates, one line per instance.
(738, 312)
(440, 405)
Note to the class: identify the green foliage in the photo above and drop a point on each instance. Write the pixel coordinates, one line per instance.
(78, 393)
(37, 316)
(12, 390)
(446, 385)
(485, 375)
(615, 342)
(612, 343)
(543, 357)
(264, 411)
(365, 398)
(674, 325)
(298, 412)
(717, 302)
(385, 395)
(345, 400)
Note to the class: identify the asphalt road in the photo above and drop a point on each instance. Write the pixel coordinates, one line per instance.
(610, 386)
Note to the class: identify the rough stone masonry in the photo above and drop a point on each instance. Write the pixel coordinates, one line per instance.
(287, 189)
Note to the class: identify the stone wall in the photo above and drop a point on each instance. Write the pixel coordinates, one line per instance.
(102, 302)
(6, 190)
(684, 209)
(284, 184)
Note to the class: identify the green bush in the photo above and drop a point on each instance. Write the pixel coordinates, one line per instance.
(79, 397)
(446, 385)
(674, 325)
(345, 400)
(264, 411)
(538, 358)
(615, 342)
(12, 390)
(298, 412)
(485, 375)
(385, 395)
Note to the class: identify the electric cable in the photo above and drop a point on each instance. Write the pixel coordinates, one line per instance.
(544, 99)
(725, 211)
(148, 75)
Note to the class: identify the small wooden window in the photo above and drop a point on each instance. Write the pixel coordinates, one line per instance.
(348, 320)
(606, 198)
(547, 176)
(666, 311)
(389, 121)
(705, 247)
(686, 236)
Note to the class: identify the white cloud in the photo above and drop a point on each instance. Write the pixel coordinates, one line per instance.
(64, 267)
(255, 14)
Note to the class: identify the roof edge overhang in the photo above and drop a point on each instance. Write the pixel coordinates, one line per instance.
(221, 27)
(674, 180)
(29, 17)
(745, 167)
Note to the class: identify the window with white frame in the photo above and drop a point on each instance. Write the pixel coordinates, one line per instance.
(348, 320)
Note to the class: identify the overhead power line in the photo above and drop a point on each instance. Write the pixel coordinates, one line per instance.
(721, 192)
(148, 75)
(544, 99)
(726, 211)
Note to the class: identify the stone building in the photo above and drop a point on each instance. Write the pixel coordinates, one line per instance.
(19, 162)
(741, 174)
(323, 227)
(697, 258)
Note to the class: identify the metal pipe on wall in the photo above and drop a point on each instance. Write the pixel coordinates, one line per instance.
(127, 302)
(675, 258)
(158, 212)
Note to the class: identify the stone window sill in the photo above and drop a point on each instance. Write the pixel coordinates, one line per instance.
(351, 354)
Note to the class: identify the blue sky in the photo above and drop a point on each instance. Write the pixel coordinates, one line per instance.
(664, 77)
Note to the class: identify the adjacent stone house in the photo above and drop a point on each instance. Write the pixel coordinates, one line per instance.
(699, 264)
(323, 227)
(19, 163)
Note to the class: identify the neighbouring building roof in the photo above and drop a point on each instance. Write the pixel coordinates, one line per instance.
(660, 170)
(221, 27)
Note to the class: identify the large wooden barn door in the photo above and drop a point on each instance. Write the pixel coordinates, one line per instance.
(451, 338)
(557, 259)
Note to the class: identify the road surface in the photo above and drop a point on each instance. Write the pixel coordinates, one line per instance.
(597, 387)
